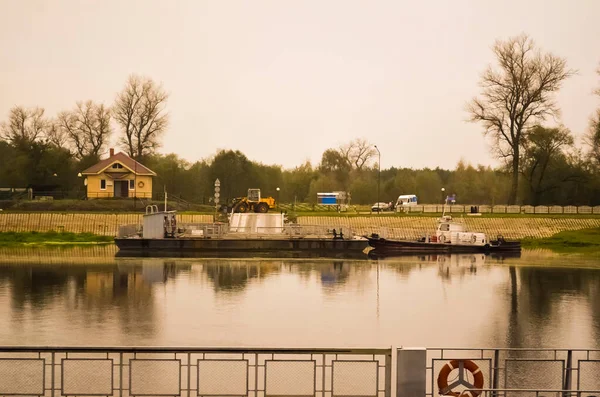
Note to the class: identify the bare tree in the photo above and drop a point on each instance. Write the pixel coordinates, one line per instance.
(140, 112)
(24, 125)
(357, 153)
(516, 96)
(56, 135)
(592, 138)
(87, 128)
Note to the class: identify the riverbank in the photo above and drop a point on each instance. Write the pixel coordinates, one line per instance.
(583, 240)
(52, 238)
(402, 227)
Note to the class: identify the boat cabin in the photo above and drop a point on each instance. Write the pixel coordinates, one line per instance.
(451, 232)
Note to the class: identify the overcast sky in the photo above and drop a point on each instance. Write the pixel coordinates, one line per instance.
(282, 81)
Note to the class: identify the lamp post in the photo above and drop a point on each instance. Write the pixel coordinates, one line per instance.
(443, 200)
(217, 195)
(278, 208)
(378, 178)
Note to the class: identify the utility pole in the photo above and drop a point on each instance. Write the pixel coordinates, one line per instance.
(378, 179)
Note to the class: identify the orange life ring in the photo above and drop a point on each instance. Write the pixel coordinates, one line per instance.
(470, 366)
(140, 184)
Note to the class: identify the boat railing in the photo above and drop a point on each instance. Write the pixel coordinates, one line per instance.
(129, 231)
(293, 231)
(212, 230)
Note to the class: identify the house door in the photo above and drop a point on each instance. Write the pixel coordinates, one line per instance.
(121, 188)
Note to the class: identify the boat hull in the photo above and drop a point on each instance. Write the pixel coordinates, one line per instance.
(306, 247)
(389, 247)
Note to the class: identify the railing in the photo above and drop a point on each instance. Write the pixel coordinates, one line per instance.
(504, 209)
(530, 393)
(257, 372)
(213, 230)
(131, 195)
(294, 231)
(517, 372)
(123, 372)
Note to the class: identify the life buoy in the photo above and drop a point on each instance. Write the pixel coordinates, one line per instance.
(468, 365)
(140, 184)
(442, 239)
(474, 239)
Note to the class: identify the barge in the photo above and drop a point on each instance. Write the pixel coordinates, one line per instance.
(244, 235)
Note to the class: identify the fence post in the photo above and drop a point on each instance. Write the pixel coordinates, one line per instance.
(411, 371)
(569, 373)
(496, 371)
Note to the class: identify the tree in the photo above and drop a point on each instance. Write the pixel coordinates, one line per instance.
(517, 95)
(357, 153)
(592, 138)
(235, 172)
(140, 112)
(24, 126)
(86, 128)
(541, 152)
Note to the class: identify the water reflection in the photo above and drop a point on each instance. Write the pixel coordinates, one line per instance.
(458, 300)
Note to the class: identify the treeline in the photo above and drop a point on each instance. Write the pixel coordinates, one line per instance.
(542, 165)
(564, 176)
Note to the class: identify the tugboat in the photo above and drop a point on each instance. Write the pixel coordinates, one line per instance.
(450, 237)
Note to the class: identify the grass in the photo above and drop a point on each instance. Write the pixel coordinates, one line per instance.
(18, 238)
(96, 206)
(583, 240)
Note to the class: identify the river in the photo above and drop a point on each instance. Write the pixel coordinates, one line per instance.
(62, 297)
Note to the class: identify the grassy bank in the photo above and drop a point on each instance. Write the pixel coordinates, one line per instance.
(115, 205)
(583, 240)
(66, 238)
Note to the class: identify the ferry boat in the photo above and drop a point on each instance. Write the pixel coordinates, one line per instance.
(450, 237)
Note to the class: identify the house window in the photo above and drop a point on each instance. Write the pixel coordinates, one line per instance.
(102, 184)
(117, 166)
(131, 184)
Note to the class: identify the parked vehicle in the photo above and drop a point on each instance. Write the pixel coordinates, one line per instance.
(251, 203)
(377, 207)
(405, 200)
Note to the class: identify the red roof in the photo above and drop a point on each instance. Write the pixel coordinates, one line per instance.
(122, 158)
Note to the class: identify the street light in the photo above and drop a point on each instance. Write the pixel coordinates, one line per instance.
(378, 178)
(278, 198)
(443, 200)
(217, 196)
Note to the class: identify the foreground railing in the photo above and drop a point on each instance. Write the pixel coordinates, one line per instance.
(507, 370)
(50, 372)
(187, 372)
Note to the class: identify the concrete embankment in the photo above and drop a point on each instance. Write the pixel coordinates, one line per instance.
(396, 227)
(102, 224)
(414, 227)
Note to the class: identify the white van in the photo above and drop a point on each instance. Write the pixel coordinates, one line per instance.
(405, 200)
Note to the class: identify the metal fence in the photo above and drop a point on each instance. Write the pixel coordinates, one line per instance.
(504, 209)
(52, 372)
(513, 372)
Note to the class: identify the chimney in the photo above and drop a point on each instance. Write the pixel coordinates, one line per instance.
(112, 152)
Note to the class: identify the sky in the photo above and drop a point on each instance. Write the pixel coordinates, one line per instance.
(283, 81)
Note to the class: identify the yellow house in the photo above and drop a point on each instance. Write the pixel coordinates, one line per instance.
(118, 176)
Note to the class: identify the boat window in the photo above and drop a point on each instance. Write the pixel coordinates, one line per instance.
(444, 227)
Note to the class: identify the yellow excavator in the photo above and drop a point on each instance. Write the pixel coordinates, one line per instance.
(252, 203)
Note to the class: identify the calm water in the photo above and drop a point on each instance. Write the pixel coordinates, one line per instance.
(50, 298)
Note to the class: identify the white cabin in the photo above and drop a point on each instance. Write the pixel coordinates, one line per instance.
(450, 232)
